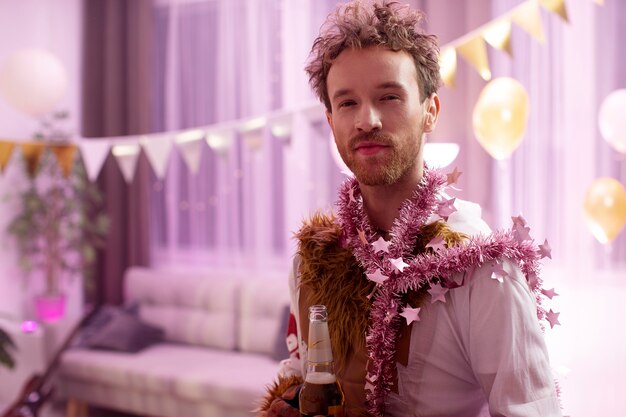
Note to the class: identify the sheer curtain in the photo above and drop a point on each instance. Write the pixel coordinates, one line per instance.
(221, 60)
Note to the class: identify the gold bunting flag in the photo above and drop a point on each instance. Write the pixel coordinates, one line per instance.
(556, 6)
(65, 157)
(6, 150)
(447, 66)
(498, 35)
(32, 151)
(475, 52)
(527, 17)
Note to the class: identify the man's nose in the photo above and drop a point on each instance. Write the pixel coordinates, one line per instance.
(368, 119)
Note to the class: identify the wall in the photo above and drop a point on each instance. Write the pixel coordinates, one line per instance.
(56, 27)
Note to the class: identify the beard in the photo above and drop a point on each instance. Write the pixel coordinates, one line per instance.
(388, 166)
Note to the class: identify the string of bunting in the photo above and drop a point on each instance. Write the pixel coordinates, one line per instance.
(157, 147)
(497, 33)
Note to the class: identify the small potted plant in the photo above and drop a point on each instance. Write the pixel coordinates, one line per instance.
(59, 225)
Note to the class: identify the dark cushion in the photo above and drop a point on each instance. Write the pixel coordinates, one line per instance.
(281, 351)
(119, 329)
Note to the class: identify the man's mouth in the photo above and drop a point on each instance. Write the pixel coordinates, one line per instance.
(369, 148)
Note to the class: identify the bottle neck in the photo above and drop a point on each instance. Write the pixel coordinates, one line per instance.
(320, 354)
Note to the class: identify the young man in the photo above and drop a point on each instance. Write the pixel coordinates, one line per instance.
(429, 313)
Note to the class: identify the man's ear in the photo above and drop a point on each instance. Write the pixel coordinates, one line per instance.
(431, 112)
(329, 119)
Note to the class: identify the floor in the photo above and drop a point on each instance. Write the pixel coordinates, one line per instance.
(58, 410)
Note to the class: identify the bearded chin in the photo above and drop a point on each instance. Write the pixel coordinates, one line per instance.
(385, 174)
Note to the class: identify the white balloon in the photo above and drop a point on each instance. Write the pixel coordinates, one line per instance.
(612, 120)
(33, 81)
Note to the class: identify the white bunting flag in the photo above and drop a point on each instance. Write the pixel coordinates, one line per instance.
(221, 141)
(94, 152)
(126, 156)
(157, 149)
(190, 146)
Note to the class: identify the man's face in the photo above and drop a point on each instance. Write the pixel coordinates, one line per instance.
(377, 117)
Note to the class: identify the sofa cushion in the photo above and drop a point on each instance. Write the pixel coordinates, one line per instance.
(281, 350)
(193, 307)
(117, 328)
(261, 315)
(195, 373)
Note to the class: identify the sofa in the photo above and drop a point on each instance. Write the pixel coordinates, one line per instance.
(222, 341)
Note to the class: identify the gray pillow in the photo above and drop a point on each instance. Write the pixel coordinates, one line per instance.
(118, 329)
(281, 351)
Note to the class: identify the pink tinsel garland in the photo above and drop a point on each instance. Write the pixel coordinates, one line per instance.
(423, 270)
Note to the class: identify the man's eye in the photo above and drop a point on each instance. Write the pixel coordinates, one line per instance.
(390, 97)
(346, 103)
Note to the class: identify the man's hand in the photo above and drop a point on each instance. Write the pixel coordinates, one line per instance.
(286, 405)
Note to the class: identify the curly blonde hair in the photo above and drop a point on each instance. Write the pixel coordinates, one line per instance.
(360, 25)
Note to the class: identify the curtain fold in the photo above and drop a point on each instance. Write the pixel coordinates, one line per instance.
(224, 60)
(117, 101)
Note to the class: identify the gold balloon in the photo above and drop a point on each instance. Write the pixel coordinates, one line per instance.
(500, 116)
(605, 208)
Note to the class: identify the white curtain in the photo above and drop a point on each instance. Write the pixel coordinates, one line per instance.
(221, 60)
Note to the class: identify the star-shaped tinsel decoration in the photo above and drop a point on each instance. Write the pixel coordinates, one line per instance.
(362, 237)
(498, 273)
(437, 243)
(519, 220)
(446, 208)
(453, 176)
(544, 250)
(522, 233)
(370, 378)
(381, 245)
(351, 193)
(392, 311)
(378, 277)
(549, 293)
(533, 280)
(398, 263)
(553, 318)
(411, 314)
(437, 293)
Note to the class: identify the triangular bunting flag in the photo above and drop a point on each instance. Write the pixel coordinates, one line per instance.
(527, 17)
(447, 66)
(556, 6)
(498, 35)
(190, 146)
(221, 141)
(32, 151)
(93, 153)
(253, 138)
(252, 132)
(281, 126)
(6, 150)
(475, 52)
(126, 156)
(65, 157)
(157, 149)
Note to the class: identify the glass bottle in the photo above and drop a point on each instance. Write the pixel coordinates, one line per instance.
(321, 394)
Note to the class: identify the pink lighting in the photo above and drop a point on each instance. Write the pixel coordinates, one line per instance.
(29, 326)
(50, 308)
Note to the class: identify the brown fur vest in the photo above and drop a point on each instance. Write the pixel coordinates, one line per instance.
(330, 275)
